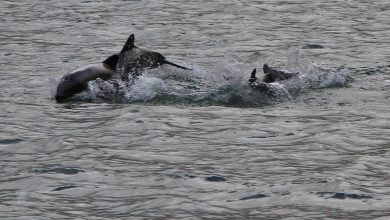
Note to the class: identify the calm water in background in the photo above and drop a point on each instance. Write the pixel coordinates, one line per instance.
(318, 151)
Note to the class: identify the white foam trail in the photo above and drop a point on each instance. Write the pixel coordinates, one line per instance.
(144, 89)
(226, 82)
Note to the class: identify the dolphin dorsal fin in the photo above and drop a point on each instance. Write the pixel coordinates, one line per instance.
(129, 43)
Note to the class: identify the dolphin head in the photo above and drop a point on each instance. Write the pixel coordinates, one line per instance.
(71, 84)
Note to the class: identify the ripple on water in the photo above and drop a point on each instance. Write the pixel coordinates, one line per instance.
(65, 187)
(10, 141)
(215, 179)
(341, 195)
(58, 169)
(257, 196)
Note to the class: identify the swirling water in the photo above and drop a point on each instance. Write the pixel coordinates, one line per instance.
(197, 144)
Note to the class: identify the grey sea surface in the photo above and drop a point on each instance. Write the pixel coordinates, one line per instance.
(200, 144)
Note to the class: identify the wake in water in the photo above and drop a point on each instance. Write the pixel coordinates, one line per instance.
(224, 84)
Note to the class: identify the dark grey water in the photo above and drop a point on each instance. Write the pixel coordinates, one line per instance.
(197, 144)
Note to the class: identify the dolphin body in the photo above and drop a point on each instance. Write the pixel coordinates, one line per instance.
(133, 60)
(130, 60)
(270, 75)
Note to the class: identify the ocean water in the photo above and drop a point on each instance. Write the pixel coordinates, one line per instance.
(200, 144)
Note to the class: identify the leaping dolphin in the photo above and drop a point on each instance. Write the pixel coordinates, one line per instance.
(270, 76)
(132, 60)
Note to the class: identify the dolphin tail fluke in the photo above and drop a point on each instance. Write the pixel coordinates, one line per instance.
(175, 65)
